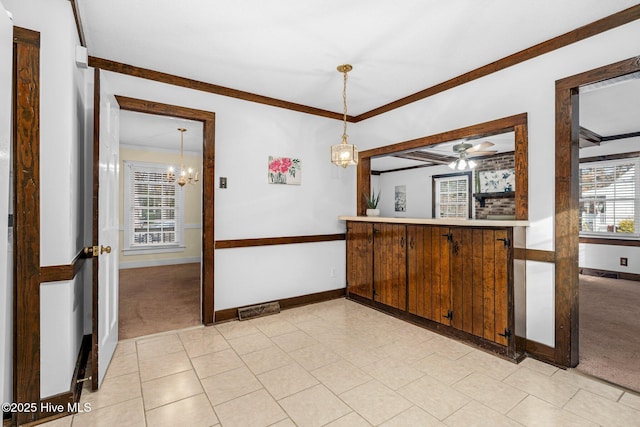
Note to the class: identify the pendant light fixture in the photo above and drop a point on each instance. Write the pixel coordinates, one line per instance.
(186, 176)
(344, 154)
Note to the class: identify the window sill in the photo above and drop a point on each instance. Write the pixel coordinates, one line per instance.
(153, 250)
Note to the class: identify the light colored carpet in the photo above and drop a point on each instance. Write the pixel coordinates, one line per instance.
(610, 330)
(158, 299)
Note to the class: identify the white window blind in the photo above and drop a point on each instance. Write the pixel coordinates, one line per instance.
(452, 197)
(153, 207)
(609, 199)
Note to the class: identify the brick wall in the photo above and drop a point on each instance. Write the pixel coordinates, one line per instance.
(495, 206)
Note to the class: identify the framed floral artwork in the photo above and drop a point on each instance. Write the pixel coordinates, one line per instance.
(497, 181)
(284, 170)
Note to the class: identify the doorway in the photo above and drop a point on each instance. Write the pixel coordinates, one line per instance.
(208, 152)
(160, 224)
(567, 209)
(609, 238)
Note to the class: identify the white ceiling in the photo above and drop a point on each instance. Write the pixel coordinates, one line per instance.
(289, 49)
(142, 131)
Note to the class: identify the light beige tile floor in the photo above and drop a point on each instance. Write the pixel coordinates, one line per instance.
(337, 363)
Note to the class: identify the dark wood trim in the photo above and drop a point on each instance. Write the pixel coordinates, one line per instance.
(95, 209)
(612, 21)
(286, 303)
(612, 274)
(606, 241)
(26, 190)
(619, 156)
(590, 136)
(80, 371)
(401, 169)
(480, 130)
(534, 255)
(158, 76)
(540, 351)
(76, 16)
(363, 184)
(268, 241)
(54, 273)
(522, 164)
(65, 399)
(208, 185)
(566, 199)
(621, 136)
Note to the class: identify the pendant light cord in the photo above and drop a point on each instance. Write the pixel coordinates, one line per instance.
(344, 99)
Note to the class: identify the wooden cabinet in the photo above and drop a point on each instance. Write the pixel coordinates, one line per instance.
(480, 271)
(360, 259)
(389, 268)
(459, 279)
(428, 273)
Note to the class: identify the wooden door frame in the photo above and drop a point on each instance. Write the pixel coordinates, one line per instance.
(26, 226)
(566, 204)
(208, 185)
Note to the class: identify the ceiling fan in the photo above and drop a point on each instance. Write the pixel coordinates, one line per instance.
(466, 151)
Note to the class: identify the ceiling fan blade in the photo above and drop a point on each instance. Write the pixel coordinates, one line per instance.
(481, 153)
(481, 146)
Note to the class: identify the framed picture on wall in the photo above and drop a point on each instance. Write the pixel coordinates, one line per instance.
(497, 181)
(284, 170)
(401, 198)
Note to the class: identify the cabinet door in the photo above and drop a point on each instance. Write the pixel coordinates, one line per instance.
(389, 271)
(428, 274)
(480, 282)
(360, 259)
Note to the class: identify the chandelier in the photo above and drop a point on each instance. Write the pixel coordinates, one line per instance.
(186, 176)
(344, 154)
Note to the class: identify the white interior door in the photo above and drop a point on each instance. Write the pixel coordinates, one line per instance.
(107, 315)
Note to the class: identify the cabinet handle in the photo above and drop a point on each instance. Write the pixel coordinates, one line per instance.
(456, 248)
(411, 243)
(402, 242)
(449, 237)
(507, 242)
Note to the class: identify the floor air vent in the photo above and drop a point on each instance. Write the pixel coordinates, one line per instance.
(259, 310)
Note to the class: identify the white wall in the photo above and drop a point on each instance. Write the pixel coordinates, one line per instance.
(527, 87)
(607, 257)
(6, 295)
(246, 135)
(418, 183)
(62, 133)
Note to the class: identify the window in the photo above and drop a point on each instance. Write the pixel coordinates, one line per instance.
(609, 199)
(451, 195)
(153, 209)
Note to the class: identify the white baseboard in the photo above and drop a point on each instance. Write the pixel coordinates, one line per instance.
(158, 262)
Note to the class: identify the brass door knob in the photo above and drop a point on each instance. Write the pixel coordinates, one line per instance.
(104, 249)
